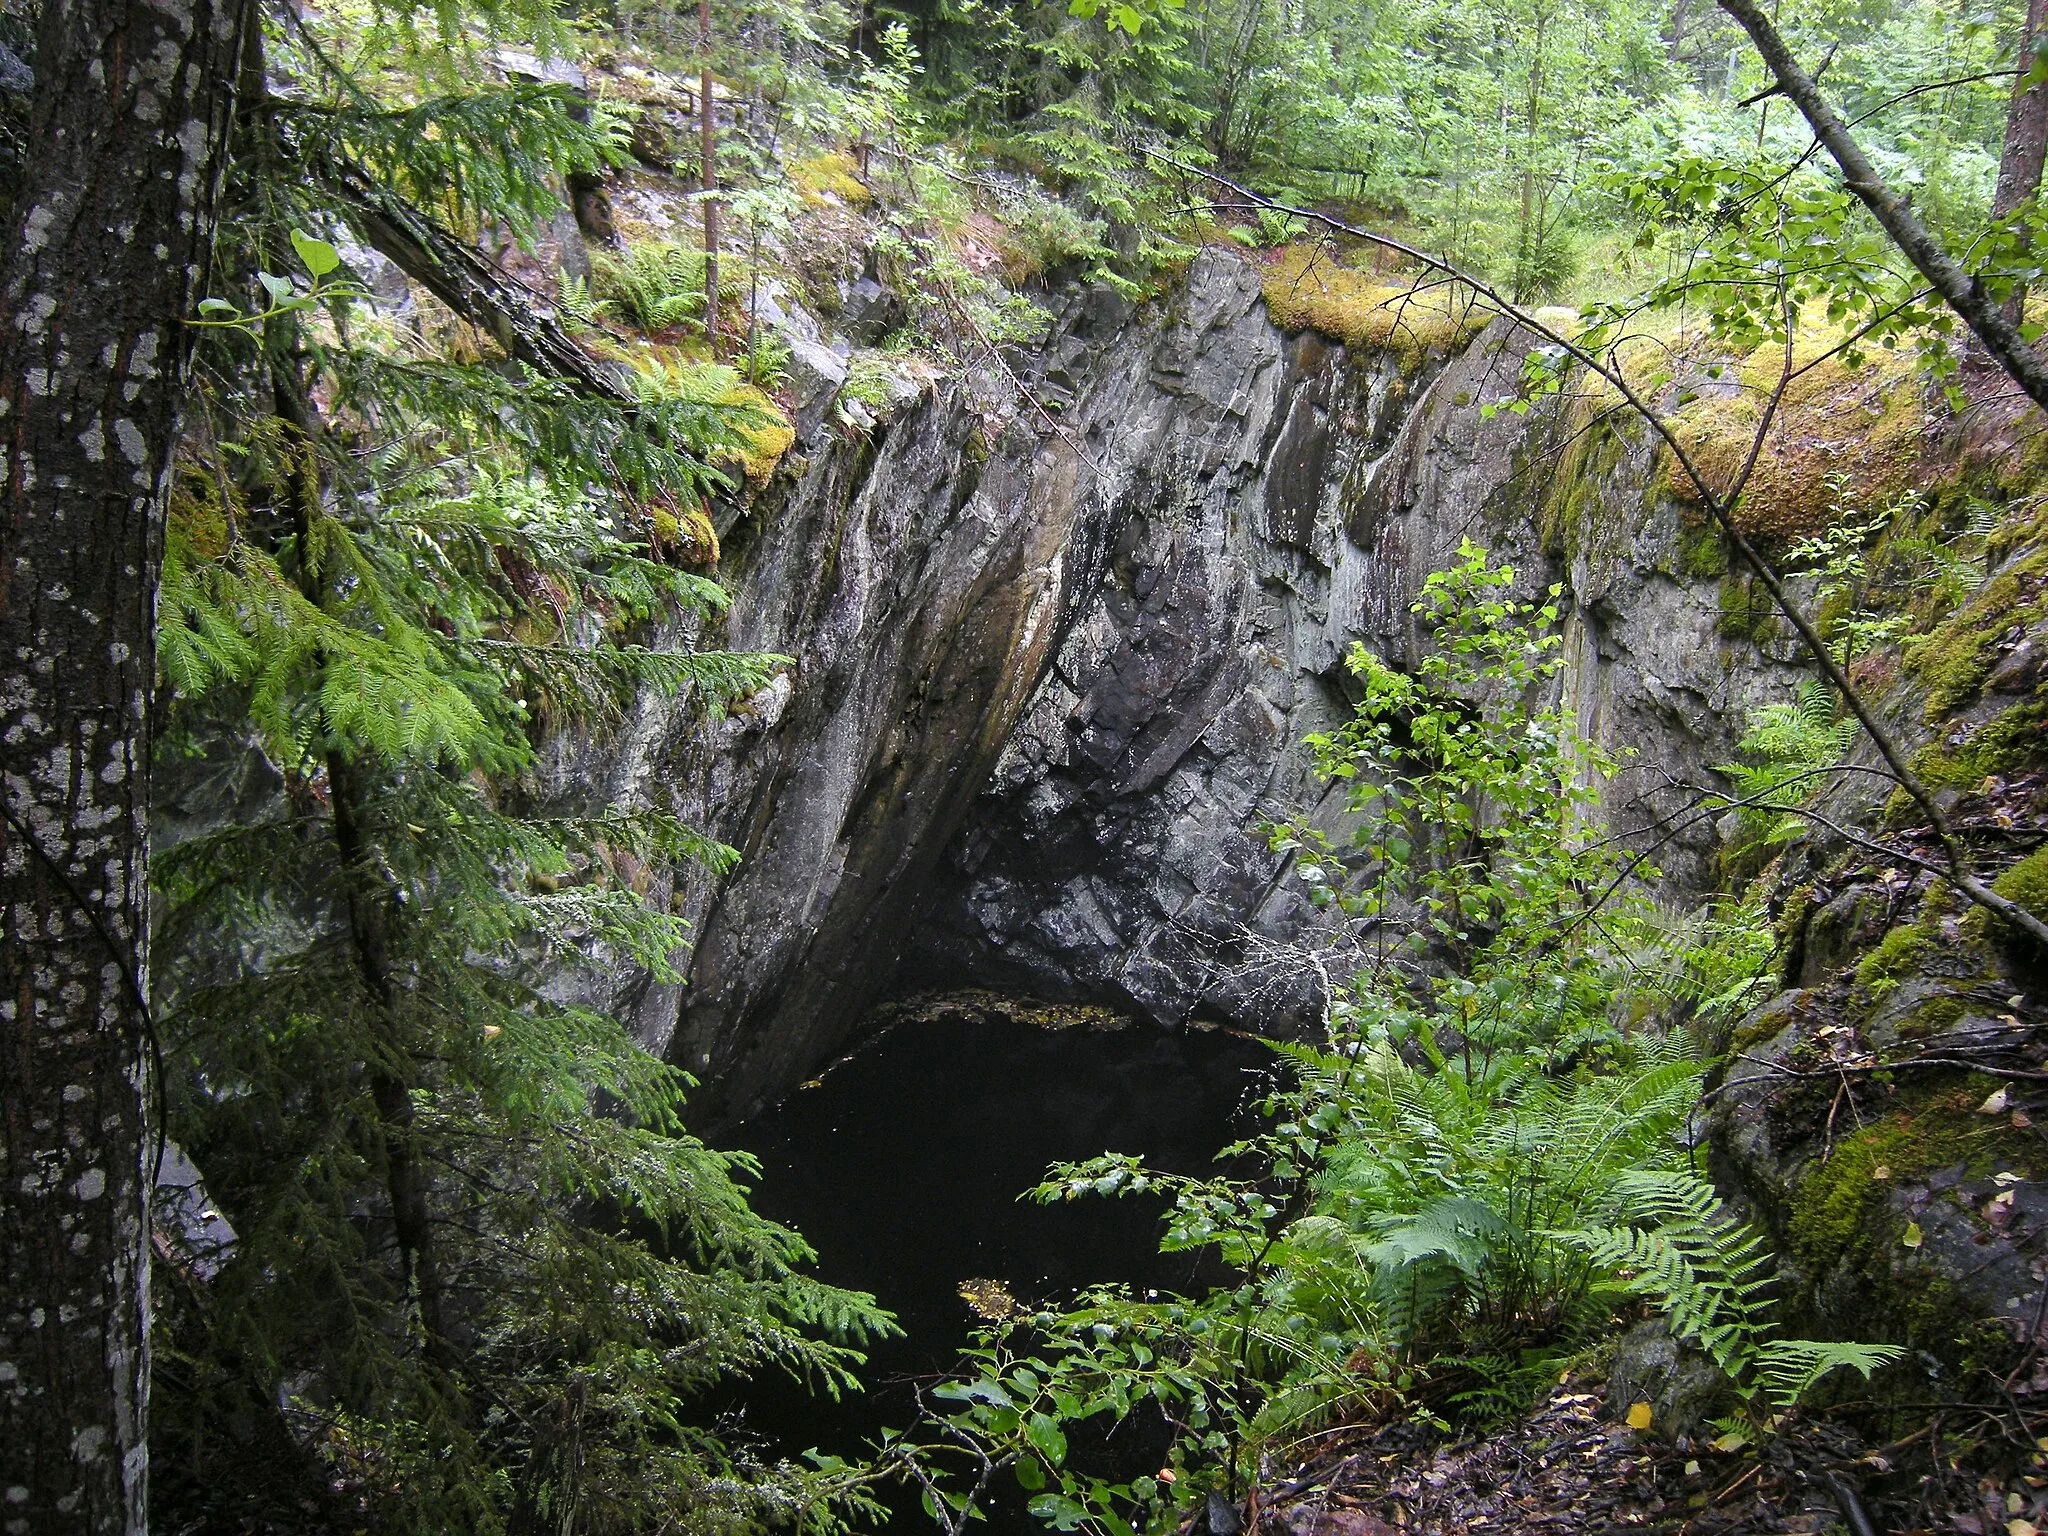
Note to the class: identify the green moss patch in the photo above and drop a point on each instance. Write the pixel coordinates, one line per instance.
(1955, 658)
(1894, 958)
(1573, 512)
(2027, 883)
(1931, 1018)
(2008, 743)
(1747, 612)
(1847, 1235)
(1306, 290)
(1701, 551)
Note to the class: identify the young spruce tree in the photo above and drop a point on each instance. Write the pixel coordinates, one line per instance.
(480, 1274)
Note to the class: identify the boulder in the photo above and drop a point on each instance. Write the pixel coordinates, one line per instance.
(869, 313)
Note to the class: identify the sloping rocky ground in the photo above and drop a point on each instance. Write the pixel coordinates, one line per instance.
(1571, 1466)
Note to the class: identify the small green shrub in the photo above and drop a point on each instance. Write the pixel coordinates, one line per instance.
(1042, 234)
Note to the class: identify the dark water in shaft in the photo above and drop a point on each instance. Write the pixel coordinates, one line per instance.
(903, 1165)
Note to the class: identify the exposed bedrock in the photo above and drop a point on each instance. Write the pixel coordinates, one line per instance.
(1048, 681)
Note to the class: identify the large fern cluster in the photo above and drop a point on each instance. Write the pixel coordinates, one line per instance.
(1711, 1273)
(1450, 1190)
(654, 284)
(1785, 755)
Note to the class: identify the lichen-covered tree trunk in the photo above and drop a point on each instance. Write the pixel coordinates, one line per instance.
(103, 246)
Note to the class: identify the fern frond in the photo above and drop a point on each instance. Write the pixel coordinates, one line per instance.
(1709, 1271)
(1789, 1368)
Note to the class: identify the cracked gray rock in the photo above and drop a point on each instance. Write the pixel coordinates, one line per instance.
(1048, 683)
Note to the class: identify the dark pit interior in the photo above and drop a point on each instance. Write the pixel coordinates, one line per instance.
(903, 1165)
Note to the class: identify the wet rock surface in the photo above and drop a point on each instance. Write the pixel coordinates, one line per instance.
(1049, 679)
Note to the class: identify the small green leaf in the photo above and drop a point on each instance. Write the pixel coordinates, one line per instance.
(1045, 1435)
(1058, 1511)
(318, 257)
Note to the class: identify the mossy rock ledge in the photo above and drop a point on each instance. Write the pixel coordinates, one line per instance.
(1908, 1206)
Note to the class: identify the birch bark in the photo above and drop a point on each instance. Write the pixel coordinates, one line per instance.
(104, 247)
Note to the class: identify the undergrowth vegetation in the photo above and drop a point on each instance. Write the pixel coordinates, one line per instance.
(431, 518)
(1486, 1160)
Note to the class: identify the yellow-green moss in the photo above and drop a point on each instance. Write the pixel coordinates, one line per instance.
(832, 175)
(1957, 655)
(196, 518)
(1306, 290)
(1761, 1030)
(686, 537)
(1895, 957)
(1867, 423)
(2027, 883)
(767, 441)
(2008, 743)
(1840, 1204)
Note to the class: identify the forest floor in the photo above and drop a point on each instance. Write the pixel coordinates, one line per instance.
(1567, 1467)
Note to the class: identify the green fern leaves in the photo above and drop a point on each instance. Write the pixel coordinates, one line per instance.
(1711, 1273)
(1787, 751)
(1790, 1368)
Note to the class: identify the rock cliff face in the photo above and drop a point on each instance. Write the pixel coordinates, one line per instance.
(1052, 668)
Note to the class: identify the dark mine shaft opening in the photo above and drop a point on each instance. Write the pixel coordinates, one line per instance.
(904, 1162)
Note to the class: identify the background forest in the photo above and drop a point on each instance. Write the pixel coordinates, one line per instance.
(442, 494)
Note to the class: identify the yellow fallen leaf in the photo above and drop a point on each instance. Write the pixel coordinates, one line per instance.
(2020, 1528)
(1733, 1441)
(1881, 1172)
(1995, 1105)
(1638, 1415)
(1911, 1236)
(1692, 1469)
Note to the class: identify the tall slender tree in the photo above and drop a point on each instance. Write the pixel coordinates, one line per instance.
(108, 232)
(707, 128)
(2026, 135)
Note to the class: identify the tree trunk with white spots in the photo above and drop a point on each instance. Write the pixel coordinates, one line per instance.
(104, 246)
